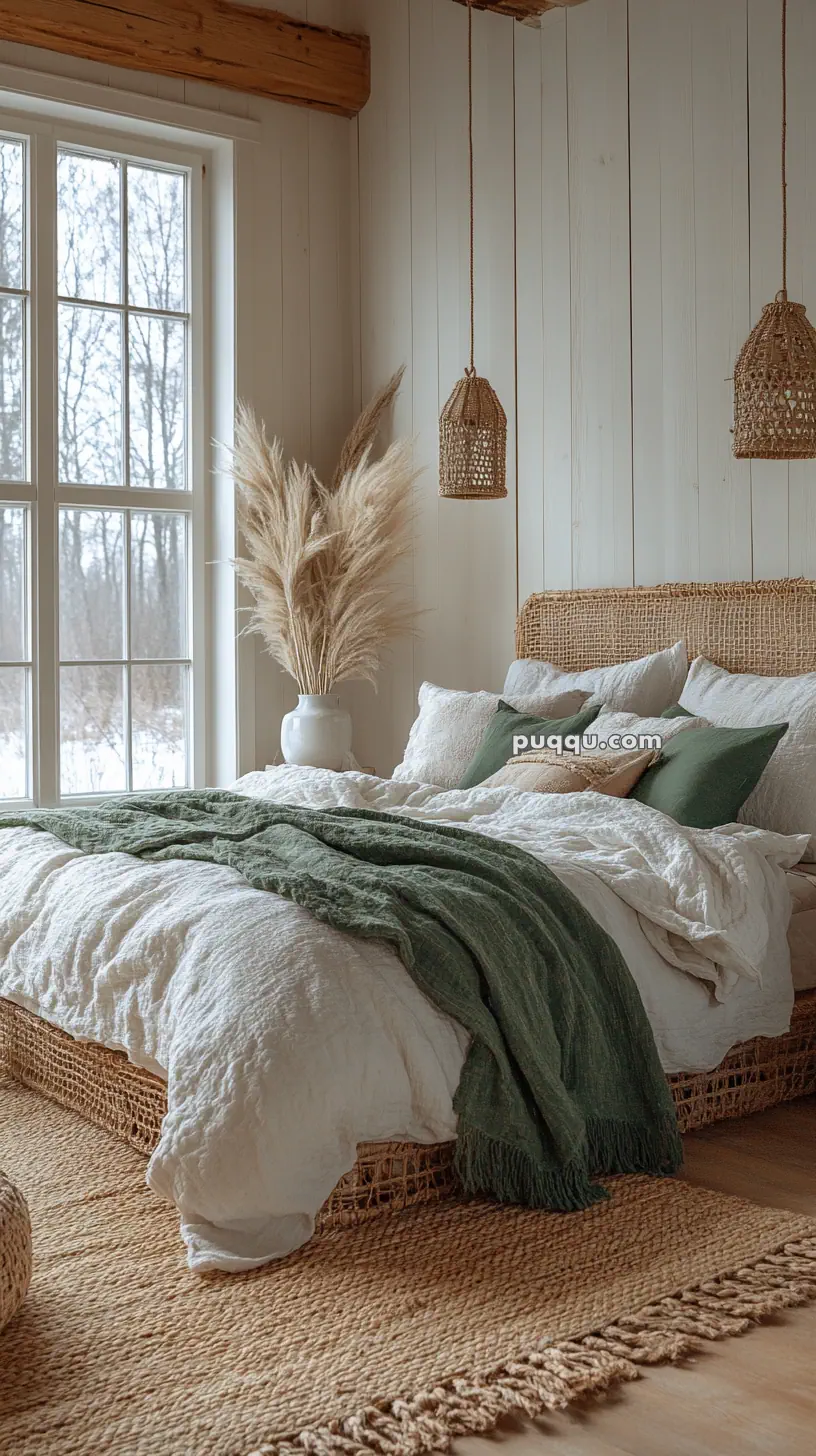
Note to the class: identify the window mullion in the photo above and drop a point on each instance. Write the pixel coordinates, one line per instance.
(160, 313)
(117, 498)
(125, 347)
(16, 493)
(123, 183)
(43, 229)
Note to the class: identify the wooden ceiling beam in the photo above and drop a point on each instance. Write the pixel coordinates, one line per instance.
(261, 52)
(521, 9)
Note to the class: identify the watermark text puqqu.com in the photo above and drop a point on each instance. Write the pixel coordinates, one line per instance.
(584, 742)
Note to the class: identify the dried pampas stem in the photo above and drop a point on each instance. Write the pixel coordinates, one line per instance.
(320, 560)
(364, 433)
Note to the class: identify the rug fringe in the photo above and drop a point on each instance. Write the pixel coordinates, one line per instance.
(553, 1376)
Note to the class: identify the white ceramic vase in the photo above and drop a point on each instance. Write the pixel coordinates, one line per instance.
(317, 733)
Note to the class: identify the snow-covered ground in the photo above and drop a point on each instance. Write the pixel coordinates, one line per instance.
(98, 768)
(12, 767)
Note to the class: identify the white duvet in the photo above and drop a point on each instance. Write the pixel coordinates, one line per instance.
(285, 1043)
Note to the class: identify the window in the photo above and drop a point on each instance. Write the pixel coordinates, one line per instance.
(97, 470)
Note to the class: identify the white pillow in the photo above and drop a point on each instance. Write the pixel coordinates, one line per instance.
(622, 723)
(785, 797)
(647, 685)
(451, 725)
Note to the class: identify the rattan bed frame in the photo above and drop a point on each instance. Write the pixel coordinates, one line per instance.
(764, 627)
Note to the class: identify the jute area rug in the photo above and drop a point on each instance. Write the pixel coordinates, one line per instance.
(391, 1339)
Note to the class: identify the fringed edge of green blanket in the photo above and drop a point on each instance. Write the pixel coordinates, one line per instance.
(488, 1166)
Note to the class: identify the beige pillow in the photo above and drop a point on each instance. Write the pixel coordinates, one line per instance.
(546, 772)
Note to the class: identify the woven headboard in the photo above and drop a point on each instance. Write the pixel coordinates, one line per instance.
(746, 626)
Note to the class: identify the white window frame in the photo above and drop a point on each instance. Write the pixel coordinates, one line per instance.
(42, 493)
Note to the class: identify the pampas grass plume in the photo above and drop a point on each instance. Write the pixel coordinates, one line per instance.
(320, 559)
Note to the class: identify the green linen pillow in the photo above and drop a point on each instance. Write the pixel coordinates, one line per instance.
(496, 746)
(703, 778)
(675, 711)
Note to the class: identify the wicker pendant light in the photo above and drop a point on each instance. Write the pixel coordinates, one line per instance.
(775, 374)
(473, 425)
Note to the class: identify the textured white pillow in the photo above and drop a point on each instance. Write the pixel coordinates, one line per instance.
(647, 685)
(622, 723)
(451, 725)
(785, 797)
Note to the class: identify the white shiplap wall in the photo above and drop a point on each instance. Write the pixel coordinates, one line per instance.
(409, 159)
(627, 235)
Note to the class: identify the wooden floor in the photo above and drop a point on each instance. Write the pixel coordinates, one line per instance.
(753, 1396)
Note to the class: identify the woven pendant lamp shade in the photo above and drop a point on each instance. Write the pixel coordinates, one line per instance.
(473, 442)
(473, 425)
(775, 374)
(775, 387)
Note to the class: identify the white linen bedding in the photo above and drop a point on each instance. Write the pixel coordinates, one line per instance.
(285, 1043)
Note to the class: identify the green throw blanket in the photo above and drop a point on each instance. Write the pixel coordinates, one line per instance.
(562, 1079)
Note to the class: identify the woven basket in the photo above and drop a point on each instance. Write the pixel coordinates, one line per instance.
(15, 1249)
(473, 442)
(775, 387)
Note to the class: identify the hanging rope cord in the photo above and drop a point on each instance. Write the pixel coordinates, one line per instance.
(785, 150)
(472, 369)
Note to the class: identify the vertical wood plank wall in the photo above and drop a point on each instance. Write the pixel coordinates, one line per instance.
(627, 235)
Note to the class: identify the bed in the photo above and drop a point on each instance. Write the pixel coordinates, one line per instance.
(768, 628)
